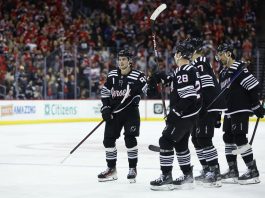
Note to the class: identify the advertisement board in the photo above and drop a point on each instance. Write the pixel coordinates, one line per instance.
(48, 111)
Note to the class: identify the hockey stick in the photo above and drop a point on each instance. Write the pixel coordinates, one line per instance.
(157, 148)
(227, 86)
(153, 17)
(93, 130)
(244, 148)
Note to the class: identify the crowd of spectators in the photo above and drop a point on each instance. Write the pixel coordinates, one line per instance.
(58, 49)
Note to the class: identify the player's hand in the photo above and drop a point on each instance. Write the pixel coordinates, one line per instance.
(218, 123)
(173, 116)
(258, 110)
(106, 113)
(203, 113)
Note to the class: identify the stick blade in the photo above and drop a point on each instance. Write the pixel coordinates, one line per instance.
(158, 10)
(65, 158)
(154, 148)
(242, 149)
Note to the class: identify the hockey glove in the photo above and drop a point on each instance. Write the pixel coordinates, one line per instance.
(218, 123)
(258, 110)
(173, 116)
(106, 113)
(203, 113)
(152, 87)
(160, 77)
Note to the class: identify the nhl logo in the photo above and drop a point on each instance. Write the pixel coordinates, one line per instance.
(158, 108)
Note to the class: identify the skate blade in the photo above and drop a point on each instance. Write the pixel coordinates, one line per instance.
(187, 186)
(233, 180)
(198, 182)
(166, 187)
(133, 180)
(107, 179)
(254, 180)
(216, 184)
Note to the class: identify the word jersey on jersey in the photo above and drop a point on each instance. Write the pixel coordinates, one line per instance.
(242, 94)
(115, 87)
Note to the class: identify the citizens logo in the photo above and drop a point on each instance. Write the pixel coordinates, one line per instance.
(56, 109)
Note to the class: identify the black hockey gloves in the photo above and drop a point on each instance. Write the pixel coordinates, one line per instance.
(152, 87)
(258, 110)
(218, 123)
(172, 116)
(162, 77)
(106, 113)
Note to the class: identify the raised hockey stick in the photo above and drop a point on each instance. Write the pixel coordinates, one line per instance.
(244, 148)
(93, 130)
(226, 86)
(157, 148)
(153, 17)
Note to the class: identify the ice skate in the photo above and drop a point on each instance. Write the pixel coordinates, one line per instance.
(163, 183)
(132, 175)
(231, 176)
(251, 176)
(109, 174)
(199, 179)
(213, 177)
(184, 182)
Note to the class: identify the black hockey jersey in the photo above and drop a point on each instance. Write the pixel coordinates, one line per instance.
(115, 86)
(185, 97)
(210, 86)
(243, 93)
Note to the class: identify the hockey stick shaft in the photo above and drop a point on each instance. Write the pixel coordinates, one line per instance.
(153, 17)
(226, 86)
(245, 147)
(255, 128)
(98, 125)
(254, 132)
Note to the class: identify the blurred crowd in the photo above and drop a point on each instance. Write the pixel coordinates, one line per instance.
(59, 49)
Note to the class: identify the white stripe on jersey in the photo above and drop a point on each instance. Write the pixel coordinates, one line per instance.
(207, 81)
(187, 91)
(136, 72)
(105, 92)
(235, 65)
(202, 59)
(113, 72)
(239, 111)
(249, 82)
(131, 77)
(187, 67)
(111, 75)
(134, 75)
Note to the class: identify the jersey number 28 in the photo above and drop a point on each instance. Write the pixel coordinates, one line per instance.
(183, 78)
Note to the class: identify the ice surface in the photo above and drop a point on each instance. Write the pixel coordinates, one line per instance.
(30, 157)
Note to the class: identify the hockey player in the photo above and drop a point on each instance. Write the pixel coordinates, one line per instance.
(209, 118)
(184, 106)
(242, 100)
(127, 116)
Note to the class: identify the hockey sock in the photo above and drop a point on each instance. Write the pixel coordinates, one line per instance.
(166, 160)
(184, 161)
(210, 155)
(132, 156)
(228, 152)
(247, 156)
(199, 152)
(111, 157)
